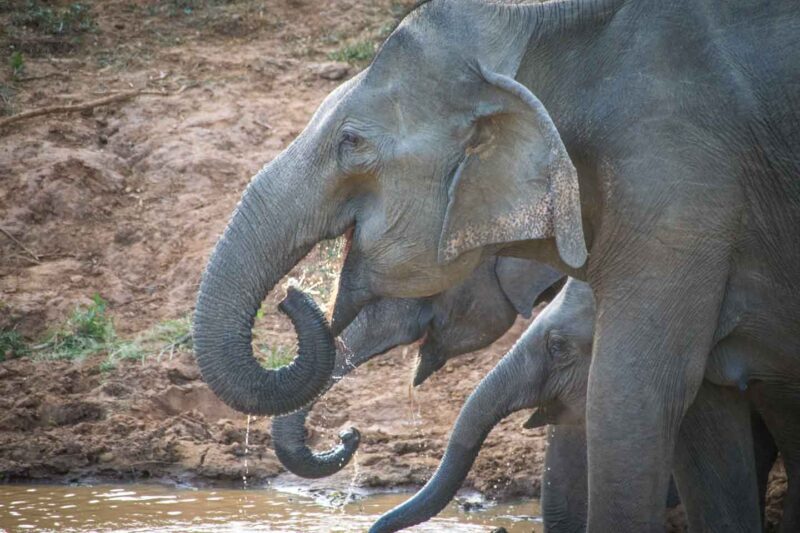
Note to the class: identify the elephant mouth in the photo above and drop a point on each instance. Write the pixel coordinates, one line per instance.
(427, 362)
(349, 299)
(548, 413)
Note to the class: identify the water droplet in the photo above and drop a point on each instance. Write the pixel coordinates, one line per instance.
(353, 481)
(246, 445)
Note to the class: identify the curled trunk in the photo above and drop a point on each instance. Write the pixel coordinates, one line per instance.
(379, 327)
(289, 441)
(267, 235)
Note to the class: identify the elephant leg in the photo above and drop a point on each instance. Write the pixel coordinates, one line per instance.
(657, 311)
(790, 522)
(714, 463)
(779, 406)
(564, 484)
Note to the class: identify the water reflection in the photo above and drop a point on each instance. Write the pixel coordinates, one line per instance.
(134, 508)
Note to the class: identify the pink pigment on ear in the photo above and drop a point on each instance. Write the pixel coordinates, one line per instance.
(348, 237)
(421, 340)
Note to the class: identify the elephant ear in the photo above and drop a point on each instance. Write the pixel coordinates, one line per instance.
(516, 181)
(522, 281)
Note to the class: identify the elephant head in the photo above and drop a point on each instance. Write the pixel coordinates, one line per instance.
(473, 315)
(434, 156)
(466, 318)
(547, 368)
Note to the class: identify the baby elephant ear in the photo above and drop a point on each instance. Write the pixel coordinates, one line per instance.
(516, 181)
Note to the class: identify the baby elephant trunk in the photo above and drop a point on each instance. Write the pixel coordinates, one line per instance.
(498, 395)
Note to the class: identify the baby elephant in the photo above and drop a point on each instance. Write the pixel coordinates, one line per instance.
(548, 369)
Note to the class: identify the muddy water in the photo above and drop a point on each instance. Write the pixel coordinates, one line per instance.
(142, 508)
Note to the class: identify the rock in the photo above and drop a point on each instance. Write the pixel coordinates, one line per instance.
(70, 413)
(26, 402)
(180, 373)
(330, 71)
(105, 457)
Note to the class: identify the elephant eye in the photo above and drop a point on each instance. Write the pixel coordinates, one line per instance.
(556, 344)
(350, 139)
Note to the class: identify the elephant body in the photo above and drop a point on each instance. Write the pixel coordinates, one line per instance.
(716, 468)
(648, 148)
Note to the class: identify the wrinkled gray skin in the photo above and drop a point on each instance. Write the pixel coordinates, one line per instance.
(549, 369)
(564, 481)
(460, 320)
(544, 131)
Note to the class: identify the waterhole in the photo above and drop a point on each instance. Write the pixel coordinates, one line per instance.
(140, 508)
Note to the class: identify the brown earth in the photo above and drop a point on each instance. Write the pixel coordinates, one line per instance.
(127, 200)
(67, 421)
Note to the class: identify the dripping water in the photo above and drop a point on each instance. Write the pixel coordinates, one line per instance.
(353, 483)
(246, 452)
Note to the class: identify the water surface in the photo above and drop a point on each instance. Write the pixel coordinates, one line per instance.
(140, 508)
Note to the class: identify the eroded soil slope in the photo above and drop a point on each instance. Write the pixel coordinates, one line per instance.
(126, 200)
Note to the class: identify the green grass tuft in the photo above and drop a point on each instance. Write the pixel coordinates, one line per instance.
(90, 331)
(87, 332)
(165, 338)
(12, 345)
(356, 53)
(17, 64)
(275, 356)
(72, 19)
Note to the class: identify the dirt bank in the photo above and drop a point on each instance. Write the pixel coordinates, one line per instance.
(126, 200)
(67, 421)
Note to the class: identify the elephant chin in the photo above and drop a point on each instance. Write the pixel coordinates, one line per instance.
(549, 413)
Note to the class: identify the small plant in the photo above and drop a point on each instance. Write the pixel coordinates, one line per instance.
(6, 97)
(75, 18)
(108, 365)
(12, 345)
(275, 356)
(90, 331)
(357, 53)
(87, 332)
(17, 64)
(162, 339)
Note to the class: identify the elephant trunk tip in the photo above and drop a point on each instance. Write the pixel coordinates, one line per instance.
(289, 443)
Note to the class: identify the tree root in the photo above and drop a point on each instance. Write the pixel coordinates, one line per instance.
(110, 99)
(22, 246)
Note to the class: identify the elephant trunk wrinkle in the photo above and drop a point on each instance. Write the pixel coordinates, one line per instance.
(250, 257)
(289, 441)
(484, 409)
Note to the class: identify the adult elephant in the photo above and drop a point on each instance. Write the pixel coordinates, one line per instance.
(661, 136)
(460, 320)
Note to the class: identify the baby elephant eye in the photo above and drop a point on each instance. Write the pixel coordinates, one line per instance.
(556, 344)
